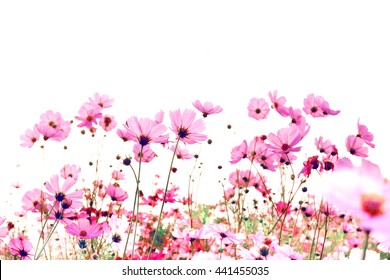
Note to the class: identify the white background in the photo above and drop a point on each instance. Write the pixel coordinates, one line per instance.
(154, 55)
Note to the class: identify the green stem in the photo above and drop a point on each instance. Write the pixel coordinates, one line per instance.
(47, 240)
(163, 202)
(136, 204)
(43, 228)
(367, 232)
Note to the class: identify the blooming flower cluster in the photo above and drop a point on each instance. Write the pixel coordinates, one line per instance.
(255, 218)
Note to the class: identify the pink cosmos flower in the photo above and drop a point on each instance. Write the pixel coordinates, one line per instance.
(84, 229)
(365, 135)
(355, 146)
(20, 248)
(116, 193)
(323, 146)
(285, 140)
(103, 101)
(255, 148)
(145, 131)
(239, 152)
(30, 137)
(159, 117)
(317, 106)
(107, 123)
(363, 192)
(186, 128)
(190, 235)
(88, 115)
(52, 126)
(181, 153)
(258, 108)
(296, 116)
(207, 108)
(34, 201)
(124, 134)
(285, 252)
(267, 159)
(117, 175)
(58, 194)
(278, 104)
(143, 153)
(221, 232)
(70, 171)
(242, 179)
(3, 230)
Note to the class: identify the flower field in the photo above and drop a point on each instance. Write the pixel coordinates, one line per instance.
(285, 191)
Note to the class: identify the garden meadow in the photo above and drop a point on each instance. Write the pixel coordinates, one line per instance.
(135, 190)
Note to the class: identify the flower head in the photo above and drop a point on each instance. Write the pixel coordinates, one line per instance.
(258, 108)
(207, 108)
(187, 129)
(84, 229)
(20, 248)
(285, 140)
(145, 131)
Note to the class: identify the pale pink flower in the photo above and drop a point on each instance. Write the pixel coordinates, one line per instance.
(34, 201)
(186, 128)
(285, 140)
(258, 108)
(323, 146)
(242, 179)
(107, 123)
(355, 146)
(239, 152)
(70, 171)
(84, 229)
(116, 193)
(365, 135)
(58, 194)
(3, 230)
(278, 103)
(296, 116)
(124, 134)
(363, 192)
(145, 131)
(53, 127)
(102, 101)
(181, 153)
(117, 175)
(159, 117)
(317, 106)
(207, 108)
(285, 252)
(143, 153)
(20, 248)
(30, 137)
(221, 232)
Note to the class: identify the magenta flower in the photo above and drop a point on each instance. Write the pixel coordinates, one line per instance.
(102, 101)
(256, 148)
(30, 137)
(89, 115)
(186, 128)
(207, 108)
(355, 146)
(363, 192)
(107, 123)
(84, 229)
(52, 126)
(365, 135)
(296, 116)
(146, 131)
(242, 179)
(116, 193)
(310, 164)
(124, 134)
(20, 248)
(285, 140)
(258, 108)
(323, 146)
(278, 104)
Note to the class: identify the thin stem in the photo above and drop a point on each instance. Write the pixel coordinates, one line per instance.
(163, 202)
(367, 237)
(47, 240)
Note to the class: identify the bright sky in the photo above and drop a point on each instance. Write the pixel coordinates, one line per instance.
(162, 55)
